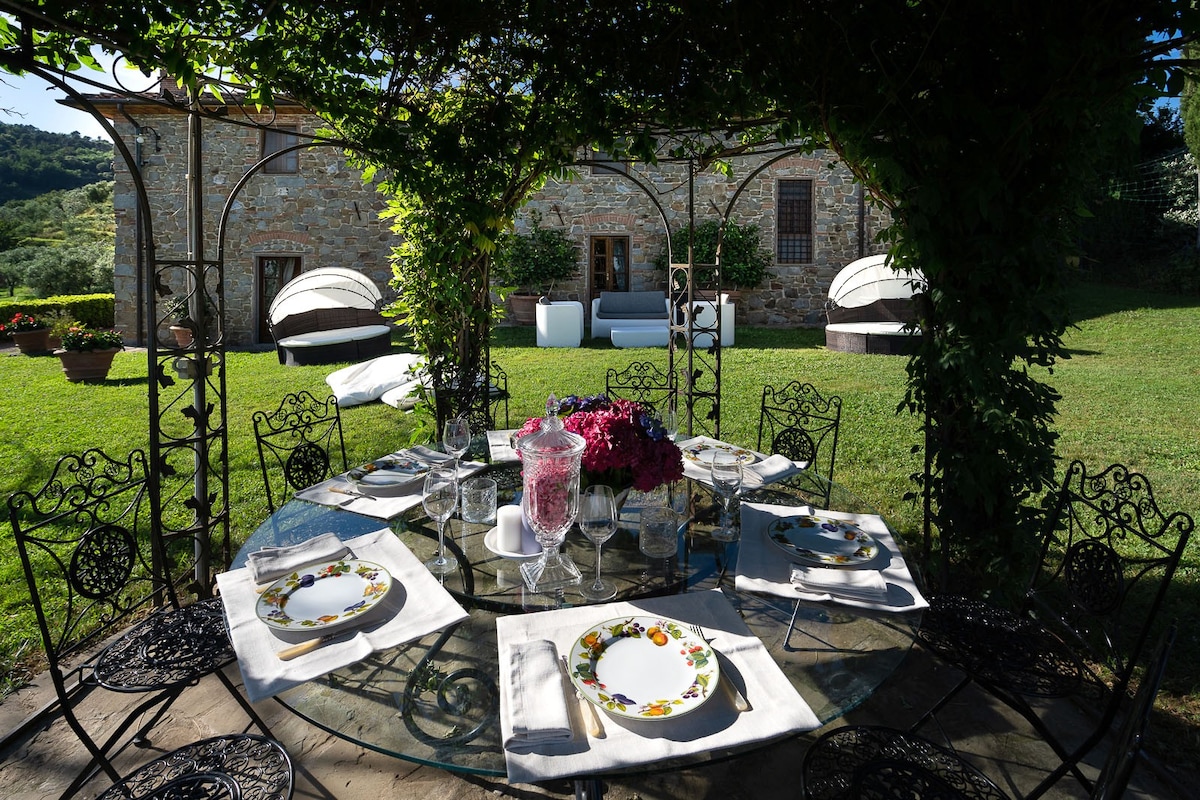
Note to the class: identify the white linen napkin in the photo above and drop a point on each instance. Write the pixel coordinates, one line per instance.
(383, 506)
(272, 563)
(500, 446)
(763, 470)
(416, 605)
(764, 567)
(771, 469)
(537, 702)
(776, 709)
(855, 584)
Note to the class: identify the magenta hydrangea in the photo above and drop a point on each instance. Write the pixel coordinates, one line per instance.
(624, 443)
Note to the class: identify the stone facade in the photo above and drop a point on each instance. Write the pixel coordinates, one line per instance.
(844, 225)
(324, 215)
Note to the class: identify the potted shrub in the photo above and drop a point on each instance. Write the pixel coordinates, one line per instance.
(531, 263)
(744, 260)
(30, 334)
(87, 353)
(176, 313)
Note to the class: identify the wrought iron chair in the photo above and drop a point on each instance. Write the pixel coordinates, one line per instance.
(1108, 556)
(237, 766)
(642, 382)
(497, 394)
(878, 763)
(298, 440)
(796, 421)
(106, 592)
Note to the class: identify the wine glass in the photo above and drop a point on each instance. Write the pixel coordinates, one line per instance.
(726, 472)
(598, 521)
(456, 438)
(670, 421)
(440, 496)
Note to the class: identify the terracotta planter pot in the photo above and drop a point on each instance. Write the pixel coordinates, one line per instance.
(183, 336)
(32, 343)
(524, 308)
(87, 367)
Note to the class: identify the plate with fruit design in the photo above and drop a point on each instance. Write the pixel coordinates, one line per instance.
(822, 540)
(644, 667)
(388, 475)
(324, 595)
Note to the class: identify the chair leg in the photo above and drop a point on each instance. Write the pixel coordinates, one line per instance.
(244, 703)
(101, 754)
(940, 704)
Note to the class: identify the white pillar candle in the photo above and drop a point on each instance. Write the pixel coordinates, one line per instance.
(508, 528)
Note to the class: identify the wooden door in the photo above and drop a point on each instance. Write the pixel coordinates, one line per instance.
(274, 272)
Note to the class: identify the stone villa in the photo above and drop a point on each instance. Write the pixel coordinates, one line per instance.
(309, 208)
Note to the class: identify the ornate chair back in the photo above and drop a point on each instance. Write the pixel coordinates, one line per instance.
(642, 382)
(298, 441)
(106, 590)
(795, 421)
(1108, 557)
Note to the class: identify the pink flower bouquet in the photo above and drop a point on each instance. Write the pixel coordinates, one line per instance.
(624, 442)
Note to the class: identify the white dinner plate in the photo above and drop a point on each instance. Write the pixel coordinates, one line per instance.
(648, 668)
(389, 475)
(491, 540)
(817, 539)
(704, 452)
(324, 595)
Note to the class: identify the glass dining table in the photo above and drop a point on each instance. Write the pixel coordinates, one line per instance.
(436, 700)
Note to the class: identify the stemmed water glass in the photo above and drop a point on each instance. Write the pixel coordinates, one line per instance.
(670, 421)
(726, 473)
(456, 438)
(598, 521)
(440, 496)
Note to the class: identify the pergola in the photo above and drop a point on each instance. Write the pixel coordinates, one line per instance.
(187, 425)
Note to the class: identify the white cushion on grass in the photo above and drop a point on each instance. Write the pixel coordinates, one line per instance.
(362, 383)
(406, 395)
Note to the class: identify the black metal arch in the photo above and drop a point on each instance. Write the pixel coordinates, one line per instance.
(697, 370)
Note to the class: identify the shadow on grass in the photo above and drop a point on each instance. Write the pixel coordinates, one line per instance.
(1091, 300)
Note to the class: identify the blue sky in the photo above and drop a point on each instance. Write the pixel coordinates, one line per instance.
(33, 101)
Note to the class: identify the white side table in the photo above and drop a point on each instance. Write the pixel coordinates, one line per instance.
(559, 324)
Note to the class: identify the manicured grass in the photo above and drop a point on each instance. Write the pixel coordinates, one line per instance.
(1129, 395)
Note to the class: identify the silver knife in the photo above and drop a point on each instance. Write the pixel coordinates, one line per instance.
(350, 492)
(296, 650)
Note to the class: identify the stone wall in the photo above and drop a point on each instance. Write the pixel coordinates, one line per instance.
(792, 294)
(326, 216)
(323, 214)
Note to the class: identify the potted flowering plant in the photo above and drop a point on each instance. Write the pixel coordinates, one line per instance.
(87, 353)
(625, 444)
(30, 334)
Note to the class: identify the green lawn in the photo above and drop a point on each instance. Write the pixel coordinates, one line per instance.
(1129, 395)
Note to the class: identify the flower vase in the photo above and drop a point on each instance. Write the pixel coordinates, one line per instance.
(550, 499)
(33, 342)
(89, 366)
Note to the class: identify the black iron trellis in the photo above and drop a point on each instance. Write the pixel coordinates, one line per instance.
(188, 485)
(188, 428)
(697, 370)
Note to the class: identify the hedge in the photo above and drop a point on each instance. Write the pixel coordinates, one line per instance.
(93, 310)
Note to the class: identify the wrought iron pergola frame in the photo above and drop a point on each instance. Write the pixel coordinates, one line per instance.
(188, 487)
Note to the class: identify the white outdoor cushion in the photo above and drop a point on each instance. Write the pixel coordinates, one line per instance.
(370, 380)
(335, 336)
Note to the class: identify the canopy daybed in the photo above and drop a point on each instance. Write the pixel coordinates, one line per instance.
(870, 308)
(326, 315)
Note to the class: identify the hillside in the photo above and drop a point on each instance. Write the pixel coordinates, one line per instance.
(33, 161)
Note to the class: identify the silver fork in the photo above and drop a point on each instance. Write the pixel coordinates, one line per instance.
(725, 682)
